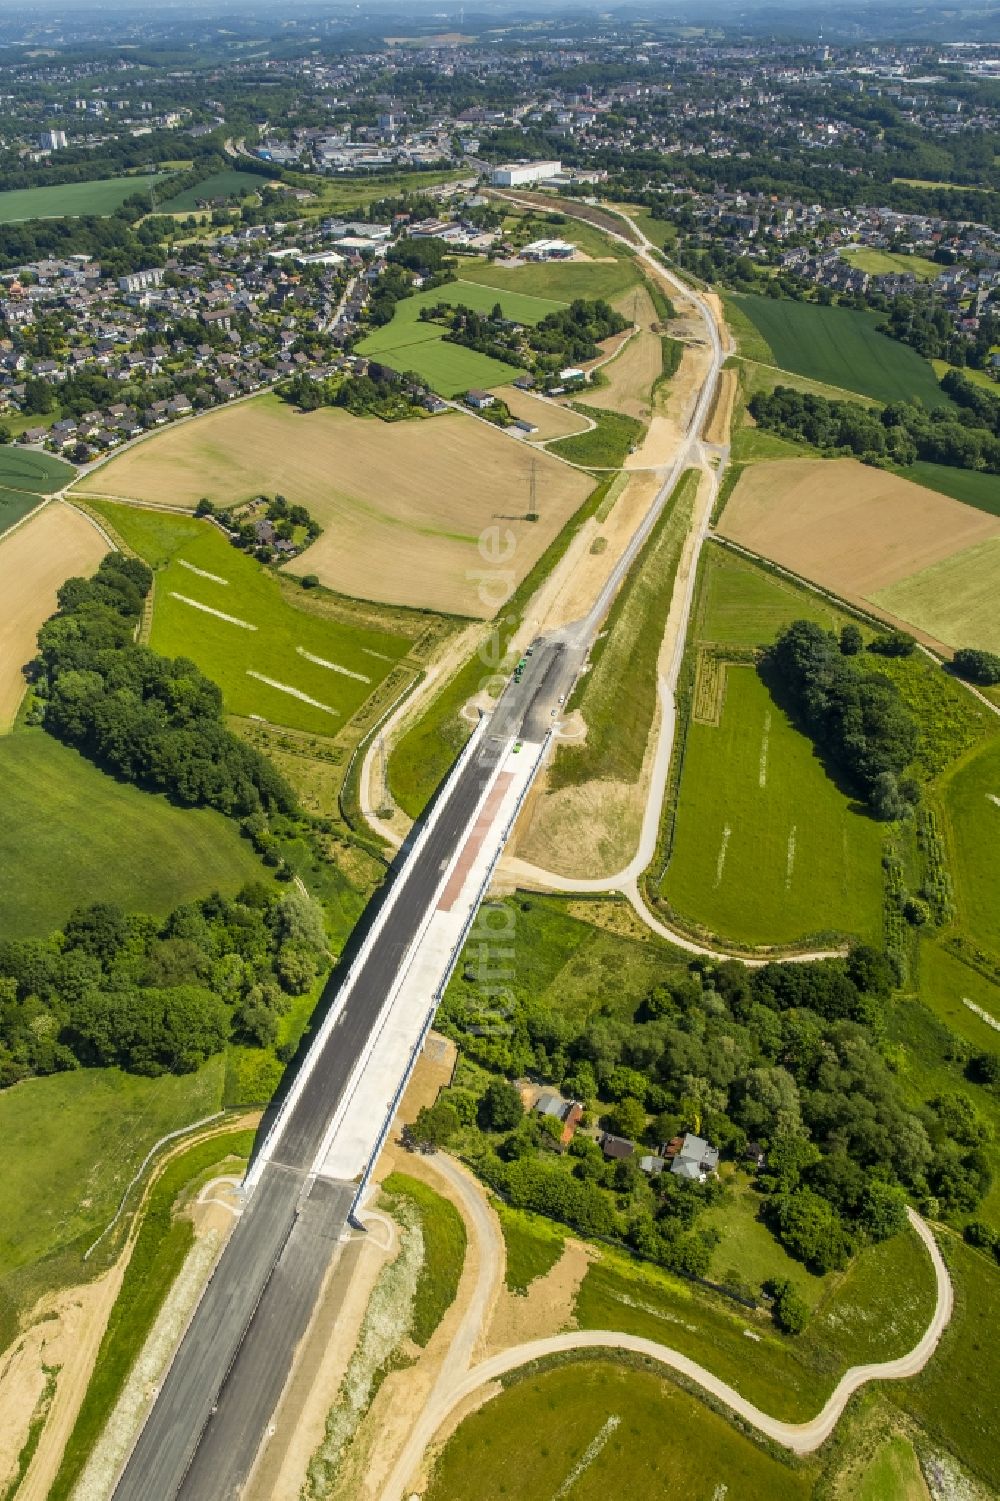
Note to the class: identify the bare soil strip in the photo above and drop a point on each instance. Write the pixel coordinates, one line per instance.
(294, 692)
(331, 666)
(202, 573)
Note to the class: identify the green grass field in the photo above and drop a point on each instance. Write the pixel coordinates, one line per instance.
(70, 199)
(889, 263)
(532, 1244)
(739, 604)
(73, 1142)
(408, 344)
(971, 485)
(946, 984)
(321, 671)
(25, 476)
(164, 1239)
(444, 1237)
(593, 1428)
(954, 600)
(972, 812)
(70, 835)
(877, 1309)
(767, 847)
(605, 446)
(228, 184)
(839, 347)
(562, 280)
(748, 1254)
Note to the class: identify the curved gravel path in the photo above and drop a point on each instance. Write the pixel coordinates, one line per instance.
(452, 1388)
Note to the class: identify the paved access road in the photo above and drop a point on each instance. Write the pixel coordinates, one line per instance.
(205, 1427)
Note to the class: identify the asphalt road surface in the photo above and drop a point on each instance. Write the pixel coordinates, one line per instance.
(201, 1437)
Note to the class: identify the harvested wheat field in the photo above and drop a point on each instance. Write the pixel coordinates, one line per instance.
(34, 561)
(403, 504)
(631, 374)
(551, 419)
(856, 530)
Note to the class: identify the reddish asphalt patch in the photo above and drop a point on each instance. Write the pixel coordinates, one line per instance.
(474, 842)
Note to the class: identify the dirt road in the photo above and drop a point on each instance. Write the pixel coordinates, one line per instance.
(457, 1384)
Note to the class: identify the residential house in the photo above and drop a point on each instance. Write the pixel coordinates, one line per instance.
(693, 1159)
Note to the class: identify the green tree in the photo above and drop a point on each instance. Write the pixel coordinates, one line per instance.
(500, 1107)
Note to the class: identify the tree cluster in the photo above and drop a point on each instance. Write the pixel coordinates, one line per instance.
(152, 720)
(899, 433)
(786, 1057)
(156, 997)
(857, 716)
(380, 392)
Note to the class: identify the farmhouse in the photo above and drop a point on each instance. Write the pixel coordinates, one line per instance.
(479, 400)
(692, 1158)
(570, 1112)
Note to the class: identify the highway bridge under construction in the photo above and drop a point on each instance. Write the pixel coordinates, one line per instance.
(311, 1169)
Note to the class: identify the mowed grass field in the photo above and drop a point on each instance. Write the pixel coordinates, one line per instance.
(561, 279)
(593, 1428)
(229, 184)
(767, 847)
(224, 610)
(955, 599)
(71, 834)
(71, 199)
(408, 344)
(840, 347)
(972, 809)
(889, 263)
(404, 504)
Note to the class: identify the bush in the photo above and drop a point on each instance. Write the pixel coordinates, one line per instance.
(309, 581)
(789, 1309)
(982, 667)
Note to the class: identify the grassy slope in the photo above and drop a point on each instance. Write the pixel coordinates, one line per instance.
(839, 347)
(875, 1310)
(532, 1243)
(618, 694)
(444, 1236)
(594, 1429)
(71, 834)
(227, 652)
(583, 969)
(973, 819)
(888, 263)
(70, 199)
(605, 446)
(955, 1397)
(72, 1143)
